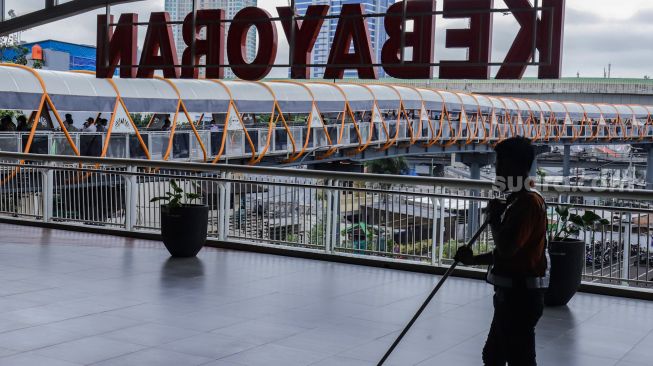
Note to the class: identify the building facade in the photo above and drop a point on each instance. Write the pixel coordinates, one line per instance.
(178, 9)
(55, 55)
(378, 36)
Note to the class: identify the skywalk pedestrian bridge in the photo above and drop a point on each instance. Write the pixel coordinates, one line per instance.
(285, 122)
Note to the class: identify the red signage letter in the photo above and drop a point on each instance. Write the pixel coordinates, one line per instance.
(550, 30)
(420, 39)
(306, 33)
(237, 44)
(122, 46)
(477, 39)
(211, 47)
(158, 39)
(352, 27)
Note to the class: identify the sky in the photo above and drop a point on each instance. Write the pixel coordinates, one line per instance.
(597, 33)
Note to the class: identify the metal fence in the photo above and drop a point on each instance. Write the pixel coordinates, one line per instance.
(389, 218)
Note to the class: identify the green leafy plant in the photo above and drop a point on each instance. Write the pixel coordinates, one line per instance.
(174, 199)
(571, 224)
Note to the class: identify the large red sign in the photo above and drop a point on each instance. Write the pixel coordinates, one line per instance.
(351, 48)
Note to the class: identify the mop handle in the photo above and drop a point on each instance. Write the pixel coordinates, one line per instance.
(428, 299)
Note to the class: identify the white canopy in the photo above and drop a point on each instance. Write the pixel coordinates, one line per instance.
(327, 97)
(452, 101)
(575, 110)
(387, 97)
(432, 100)
(148, 95)
(251, 97)
(203, 96)
(291, 97)
(410, 97)
(21, 89)
(75, 92)
(360, 98)
(608, 111)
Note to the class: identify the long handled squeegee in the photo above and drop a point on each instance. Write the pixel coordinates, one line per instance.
(428, 299)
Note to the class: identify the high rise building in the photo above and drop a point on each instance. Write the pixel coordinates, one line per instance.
(378, 36)
(178, 10)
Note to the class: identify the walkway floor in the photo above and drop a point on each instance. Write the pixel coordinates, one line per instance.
(80, 299)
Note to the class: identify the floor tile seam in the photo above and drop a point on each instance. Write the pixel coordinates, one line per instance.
(454, 346)
(34, 350)
(118, 356)
(635, 345)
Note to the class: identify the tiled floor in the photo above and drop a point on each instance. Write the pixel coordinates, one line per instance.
(79, 299)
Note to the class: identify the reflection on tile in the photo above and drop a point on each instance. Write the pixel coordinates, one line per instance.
(71, 299)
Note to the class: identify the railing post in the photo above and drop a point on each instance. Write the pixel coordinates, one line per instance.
(131, 198)
(441, 234)
(48, 193)
(626, 247)
(127, 152)
(334, 216)
(649, 169)
(434, 246)
(328, 240)
(225, 200)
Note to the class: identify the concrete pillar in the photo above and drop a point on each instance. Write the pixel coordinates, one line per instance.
(649, 169)
(475, 170)
(566, 165)
(475, 162)
(533, 172)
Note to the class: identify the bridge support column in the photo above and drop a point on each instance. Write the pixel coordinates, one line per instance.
(534, 168)
(566, 165)
(475, 162)
(649, 169)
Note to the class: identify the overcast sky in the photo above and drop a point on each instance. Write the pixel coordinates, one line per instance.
(598, 32)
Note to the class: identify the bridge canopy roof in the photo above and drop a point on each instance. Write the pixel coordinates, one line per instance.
(328, 97)
(360, 98)
(608, 111)
(387, 97)
(640, 111)
(148, 95)
(292, 97)
(203, 96)
(411, 98)
(592, 111)
(251, 97)
(22, 89)
(575, 110)
(432, 99)
(452, 101)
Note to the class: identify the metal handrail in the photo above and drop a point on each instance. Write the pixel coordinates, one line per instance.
(599, 192)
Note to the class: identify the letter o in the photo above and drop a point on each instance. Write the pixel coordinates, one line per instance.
(266, 52)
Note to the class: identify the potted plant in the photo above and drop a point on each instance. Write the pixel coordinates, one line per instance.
(184, 225)
(567, 254)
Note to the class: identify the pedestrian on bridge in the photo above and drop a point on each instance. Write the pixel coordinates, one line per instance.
(519, 266)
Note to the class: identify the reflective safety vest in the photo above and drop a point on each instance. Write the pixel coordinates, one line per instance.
(524, 282)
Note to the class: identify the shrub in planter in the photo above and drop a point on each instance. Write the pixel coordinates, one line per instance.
(567, 254)
(184, 225)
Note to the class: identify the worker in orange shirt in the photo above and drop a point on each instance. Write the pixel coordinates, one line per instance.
(519, 265)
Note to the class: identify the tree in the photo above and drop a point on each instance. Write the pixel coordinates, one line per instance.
(394, 166)
(141, 120)
(12, 51)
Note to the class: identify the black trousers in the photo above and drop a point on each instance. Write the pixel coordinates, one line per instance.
(512, 336)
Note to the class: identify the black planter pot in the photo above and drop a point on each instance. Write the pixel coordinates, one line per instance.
(184, 229)
(567, 262)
